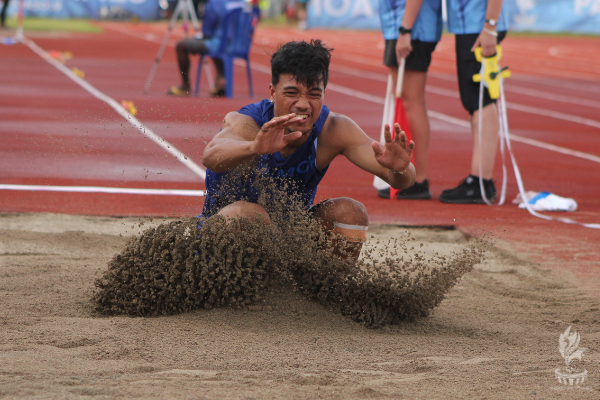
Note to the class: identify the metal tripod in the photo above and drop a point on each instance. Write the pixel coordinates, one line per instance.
(185, 8)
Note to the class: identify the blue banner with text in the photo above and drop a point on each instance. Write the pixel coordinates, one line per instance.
(110, 9)
(574, 16)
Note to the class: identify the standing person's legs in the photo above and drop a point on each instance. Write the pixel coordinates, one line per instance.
(3, 14)
(344, 222)
(183, 49)
(413, 99)
(484, 152)
(219, 89)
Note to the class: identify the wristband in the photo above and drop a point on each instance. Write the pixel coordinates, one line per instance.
(402, 30)
(399, 172)
(490, 32)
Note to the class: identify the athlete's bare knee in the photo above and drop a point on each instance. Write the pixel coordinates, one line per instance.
(244, 209)
(344, 217)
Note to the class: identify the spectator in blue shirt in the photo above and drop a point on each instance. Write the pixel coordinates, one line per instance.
(212, 32)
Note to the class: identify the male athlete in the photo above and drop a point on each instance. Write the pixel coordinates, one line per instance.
(294, 137)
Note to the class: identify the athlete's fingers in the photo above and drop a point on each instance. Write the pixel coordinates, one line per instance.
(376, 148)
(400, 136)
(290, 137)
(387, 135)
(276, 121)
(290, 121)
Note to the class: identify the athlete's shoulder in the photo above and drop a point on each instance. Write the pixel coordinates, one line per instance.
(261, 111)
(338, 126)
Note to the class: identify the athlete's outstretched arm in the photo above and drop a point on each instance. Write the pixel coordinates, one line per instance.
(240, 139)
(390, 160)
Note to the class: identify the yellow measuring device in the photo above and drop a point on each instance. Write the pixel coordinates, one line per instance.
(492, 73)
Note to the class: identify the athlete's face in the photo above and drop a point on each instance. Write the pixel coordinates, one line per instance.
(290, 96)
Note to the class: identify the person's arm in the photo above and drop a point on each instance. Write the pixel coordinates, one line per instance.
(411, 10)
(241, 139)
(488, 38)
(390, 162)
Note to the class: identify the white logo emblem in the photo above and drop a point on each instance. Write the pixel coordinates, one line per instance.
(567, 345)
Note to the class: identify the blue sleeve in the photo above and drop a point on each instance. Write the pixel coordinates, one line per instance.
(260, 112)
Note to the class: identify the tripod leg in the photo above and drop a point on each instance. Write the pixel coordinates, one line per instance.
(163, 46)
(193, 16)
(209, 77)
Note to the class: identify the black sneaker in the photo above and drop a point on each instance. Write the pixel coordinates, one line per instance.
(418, 191)
(469, 192)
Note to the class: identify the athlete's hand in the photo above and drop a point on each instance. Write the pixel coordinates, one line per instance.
(487, 43)
(395, 154)
(403, 46)
(273, 136)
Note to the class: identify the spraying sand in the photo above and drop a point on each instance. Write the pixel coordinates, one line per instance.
(494, 335)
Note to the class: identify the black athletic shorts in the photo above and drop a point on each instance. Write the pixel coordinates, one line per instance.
(467, 66)
(195, 46)
(418, 59)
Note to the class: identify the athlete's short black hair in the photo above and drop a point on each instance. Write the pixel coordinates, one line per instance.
(307, 62)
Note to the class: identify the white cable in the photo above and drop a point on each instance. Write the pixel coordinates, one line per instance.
(505, 136)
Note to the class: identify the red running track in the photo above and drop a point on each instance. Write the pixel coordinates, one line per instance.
(53, 132)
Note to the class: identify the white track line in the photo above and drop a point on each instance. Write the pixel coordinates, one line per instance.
(453, 93)
(526, 108)
(100, 189)
(434, 114)
(195, 168)
(466, 124)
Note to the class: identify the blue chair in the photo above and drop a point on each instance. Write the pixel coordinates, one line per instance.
(238, 31)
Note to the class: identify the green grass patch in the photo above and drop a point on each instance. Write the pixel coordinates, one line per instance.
(550, 34)
(54, 25)
(276, 22)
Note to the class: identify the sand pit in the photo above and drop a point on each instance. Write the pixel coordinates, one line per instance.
(495, 335)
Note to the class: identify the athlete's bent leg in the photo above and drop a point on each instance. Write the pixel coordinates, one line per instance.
(344, 223)
(244, 209)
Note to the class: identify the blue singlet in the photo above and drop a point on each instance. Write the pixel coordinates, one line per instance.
(297, 174)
